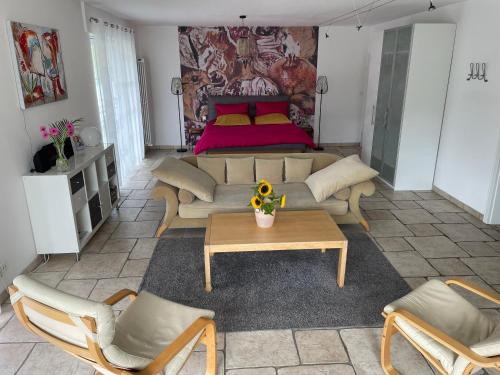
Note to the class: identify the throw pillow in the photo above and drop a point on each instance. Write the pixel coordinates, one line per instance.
(264, 108)
(270, 170)
(215, 167)
(337, 176)
(272, 119)
(185, 196)
(231, 109)
(232, 120)
(183, 175)
(297, 170)
(240, 171)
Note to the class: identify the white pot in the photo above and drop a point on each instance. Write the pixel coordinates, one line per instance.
(263, 220)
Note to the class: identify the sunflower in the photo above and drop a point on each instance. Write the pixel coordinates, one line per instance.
(283, 201)
(265, 188)
(256, 202)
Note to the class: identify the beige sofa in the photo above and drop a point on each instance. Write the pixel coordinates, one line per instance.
(343, 206)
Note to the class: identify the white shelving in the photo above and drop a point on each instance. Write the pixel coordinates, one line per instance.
(66, 209)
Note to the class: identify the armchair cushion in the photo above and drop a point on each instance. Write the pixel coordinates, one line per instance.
(443, 308)
(147, 327)
(183, 175)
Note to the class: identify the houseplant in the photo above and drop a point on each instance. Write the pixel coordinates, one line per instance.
(58, 132)
(264, 202)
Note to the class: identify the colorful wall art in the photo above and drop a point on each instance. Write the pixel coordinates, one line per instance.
(243, 61)
(39, 62)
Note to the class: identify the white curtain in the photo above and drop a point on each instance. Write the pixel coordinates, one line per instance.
(115, 67)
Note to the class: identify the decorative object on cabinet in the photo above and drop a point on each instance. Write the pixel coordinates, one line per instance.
(91, 136)
(321, 88)
(67, 208)
(477, 71)
(45, 158)
(404, 148)
(176, 89)
(37, 54)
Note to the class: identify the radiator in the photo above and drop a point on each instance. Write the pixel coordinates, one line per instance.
(143, 86)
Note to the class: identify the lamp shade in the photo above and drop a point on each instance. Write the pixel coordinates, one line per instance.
(322, 85)
(176, 86)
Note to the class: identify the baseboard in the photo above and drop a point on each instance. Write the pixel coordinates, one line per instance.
(163, 147)
(458, 203)
(4, 294)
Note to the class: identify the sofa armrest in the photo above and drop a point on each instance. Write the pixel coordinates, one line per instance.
(367, 189)
(170, 194)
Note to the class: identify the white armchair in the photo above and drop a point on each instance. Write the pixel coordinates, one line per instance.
(451, 333)
(152, 336)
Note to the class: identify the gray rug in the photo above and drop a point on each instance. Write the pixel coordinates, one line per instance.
(275, 290)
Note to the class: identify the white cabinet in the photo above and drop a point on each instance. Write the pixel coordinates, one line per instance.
(66, 209)
(413, 84)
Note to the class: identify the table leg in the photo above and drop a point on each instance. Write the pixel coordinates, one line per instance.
(342, 265)
(208, 278)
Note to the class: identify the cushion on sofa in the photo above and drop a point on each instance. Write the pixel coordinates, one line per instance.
(183, 175)
(297, 170)
(215, 167)
(235, 198)
(240, 171)
(185, 196)
(339, 175)
(270, 170)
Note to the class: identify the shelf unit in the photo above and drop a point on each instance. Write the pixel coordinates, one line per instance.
(67, 208)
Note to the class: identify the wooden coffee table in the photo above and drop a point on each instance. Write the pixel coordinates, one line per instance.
(292, 230)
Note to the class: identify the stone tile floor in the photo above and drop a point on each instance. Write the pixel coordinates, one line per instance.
(423, 235)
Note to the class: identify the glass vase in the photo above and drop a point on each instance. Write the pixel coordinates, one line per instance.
(62, 163)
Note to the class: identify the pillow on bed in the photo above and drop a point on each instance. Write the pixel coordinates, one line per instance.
(272, 119)
(265, 108)
(231, 109)
(232, 120)
(183, 175)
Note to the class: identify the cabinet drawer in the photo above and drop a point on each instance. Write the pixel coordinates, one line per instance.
(79, 199)
(76, 182)
(111, 169)
(95, 210)
(110, 156)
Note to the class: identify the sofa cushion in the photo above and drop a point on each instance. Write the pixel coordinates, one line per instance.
(240, 171)
(297, 170)
(270, 170)
(183, 175)
(215, 167)
(234, 198)
(337, 176)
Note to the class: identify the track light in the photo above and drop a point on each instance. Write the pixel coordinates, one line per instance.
(431, 6)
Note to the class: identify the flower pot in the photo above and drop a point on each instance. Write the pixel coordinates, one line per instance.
(62, 163)
(263, 220)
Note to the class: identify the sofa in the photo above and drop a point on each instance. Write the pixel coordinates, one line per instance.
(183, 211)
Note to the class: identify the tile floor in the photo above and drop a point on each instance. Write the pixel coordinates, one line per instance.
(422, 235)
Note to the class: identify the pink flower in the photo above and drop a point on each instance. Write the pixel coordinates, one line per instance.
(44, 133)
(71, 132)
(54, 132)
(70, 126)
(43, 128)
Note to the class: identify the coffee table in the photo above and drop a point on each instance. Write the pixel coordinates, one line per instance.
(292, 230)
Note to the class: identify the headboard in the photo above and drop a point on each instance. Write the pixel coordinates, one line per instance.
(213, 100)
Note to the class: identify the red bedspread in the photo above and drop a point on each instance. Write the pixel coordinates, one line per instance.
(216, 137)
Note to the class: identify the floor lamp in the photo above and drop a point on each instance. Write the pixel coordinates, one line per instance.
(321, 88)
(176, 89)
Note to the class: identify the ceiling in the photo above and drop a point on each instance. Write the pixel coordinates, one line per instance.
(262, 12)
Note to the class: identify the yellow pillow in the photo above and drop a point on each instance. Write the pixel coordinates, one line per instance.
(232, 120)
(272, 118)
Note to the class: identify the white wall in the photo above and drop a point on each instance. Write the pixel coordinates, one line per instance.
(17, 247)
(159, 45)
(343, 59)
(470, 135)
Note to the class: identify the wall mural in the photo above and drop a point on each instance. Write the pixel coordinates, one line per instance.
(280, 61)
(39, 63)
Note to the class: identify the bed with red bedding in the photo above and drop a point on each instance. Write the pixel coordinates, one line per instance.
(262, 137)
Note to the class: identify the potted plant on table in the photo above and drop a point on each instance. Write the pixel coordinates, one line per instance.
(264, 202)
(58, 132)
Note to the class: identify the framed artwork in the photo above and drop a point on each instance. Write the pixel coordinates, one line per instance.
(37, 57)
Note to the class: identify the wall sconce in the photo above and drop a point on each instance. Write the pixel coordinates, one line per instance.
(477, 71)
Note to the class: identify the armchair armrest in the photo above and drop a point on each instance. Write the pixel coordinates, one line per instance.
(445, 340)
(366, 188)
(178, 344)
(118, 296)
(493, 297)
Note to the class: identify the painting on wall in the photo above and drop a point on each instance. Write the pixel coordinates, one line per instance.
(37, 54)
(272, 61)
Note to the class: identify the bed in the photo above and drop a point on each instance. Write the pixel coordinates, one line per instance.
(250, 138)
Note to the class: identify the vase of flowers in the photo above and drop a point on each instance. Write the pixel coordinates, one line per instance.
(264, 202)
(58, 132)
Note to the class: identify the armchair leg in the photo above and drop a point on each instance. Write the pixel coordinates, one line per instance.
(211, 343)
(385, 353)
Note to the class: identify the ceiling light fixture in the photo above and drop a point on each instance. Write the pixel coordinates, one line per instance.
(431, 6)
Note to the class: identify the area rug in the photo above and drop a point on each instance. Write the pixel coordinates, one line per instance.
(281, 289)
